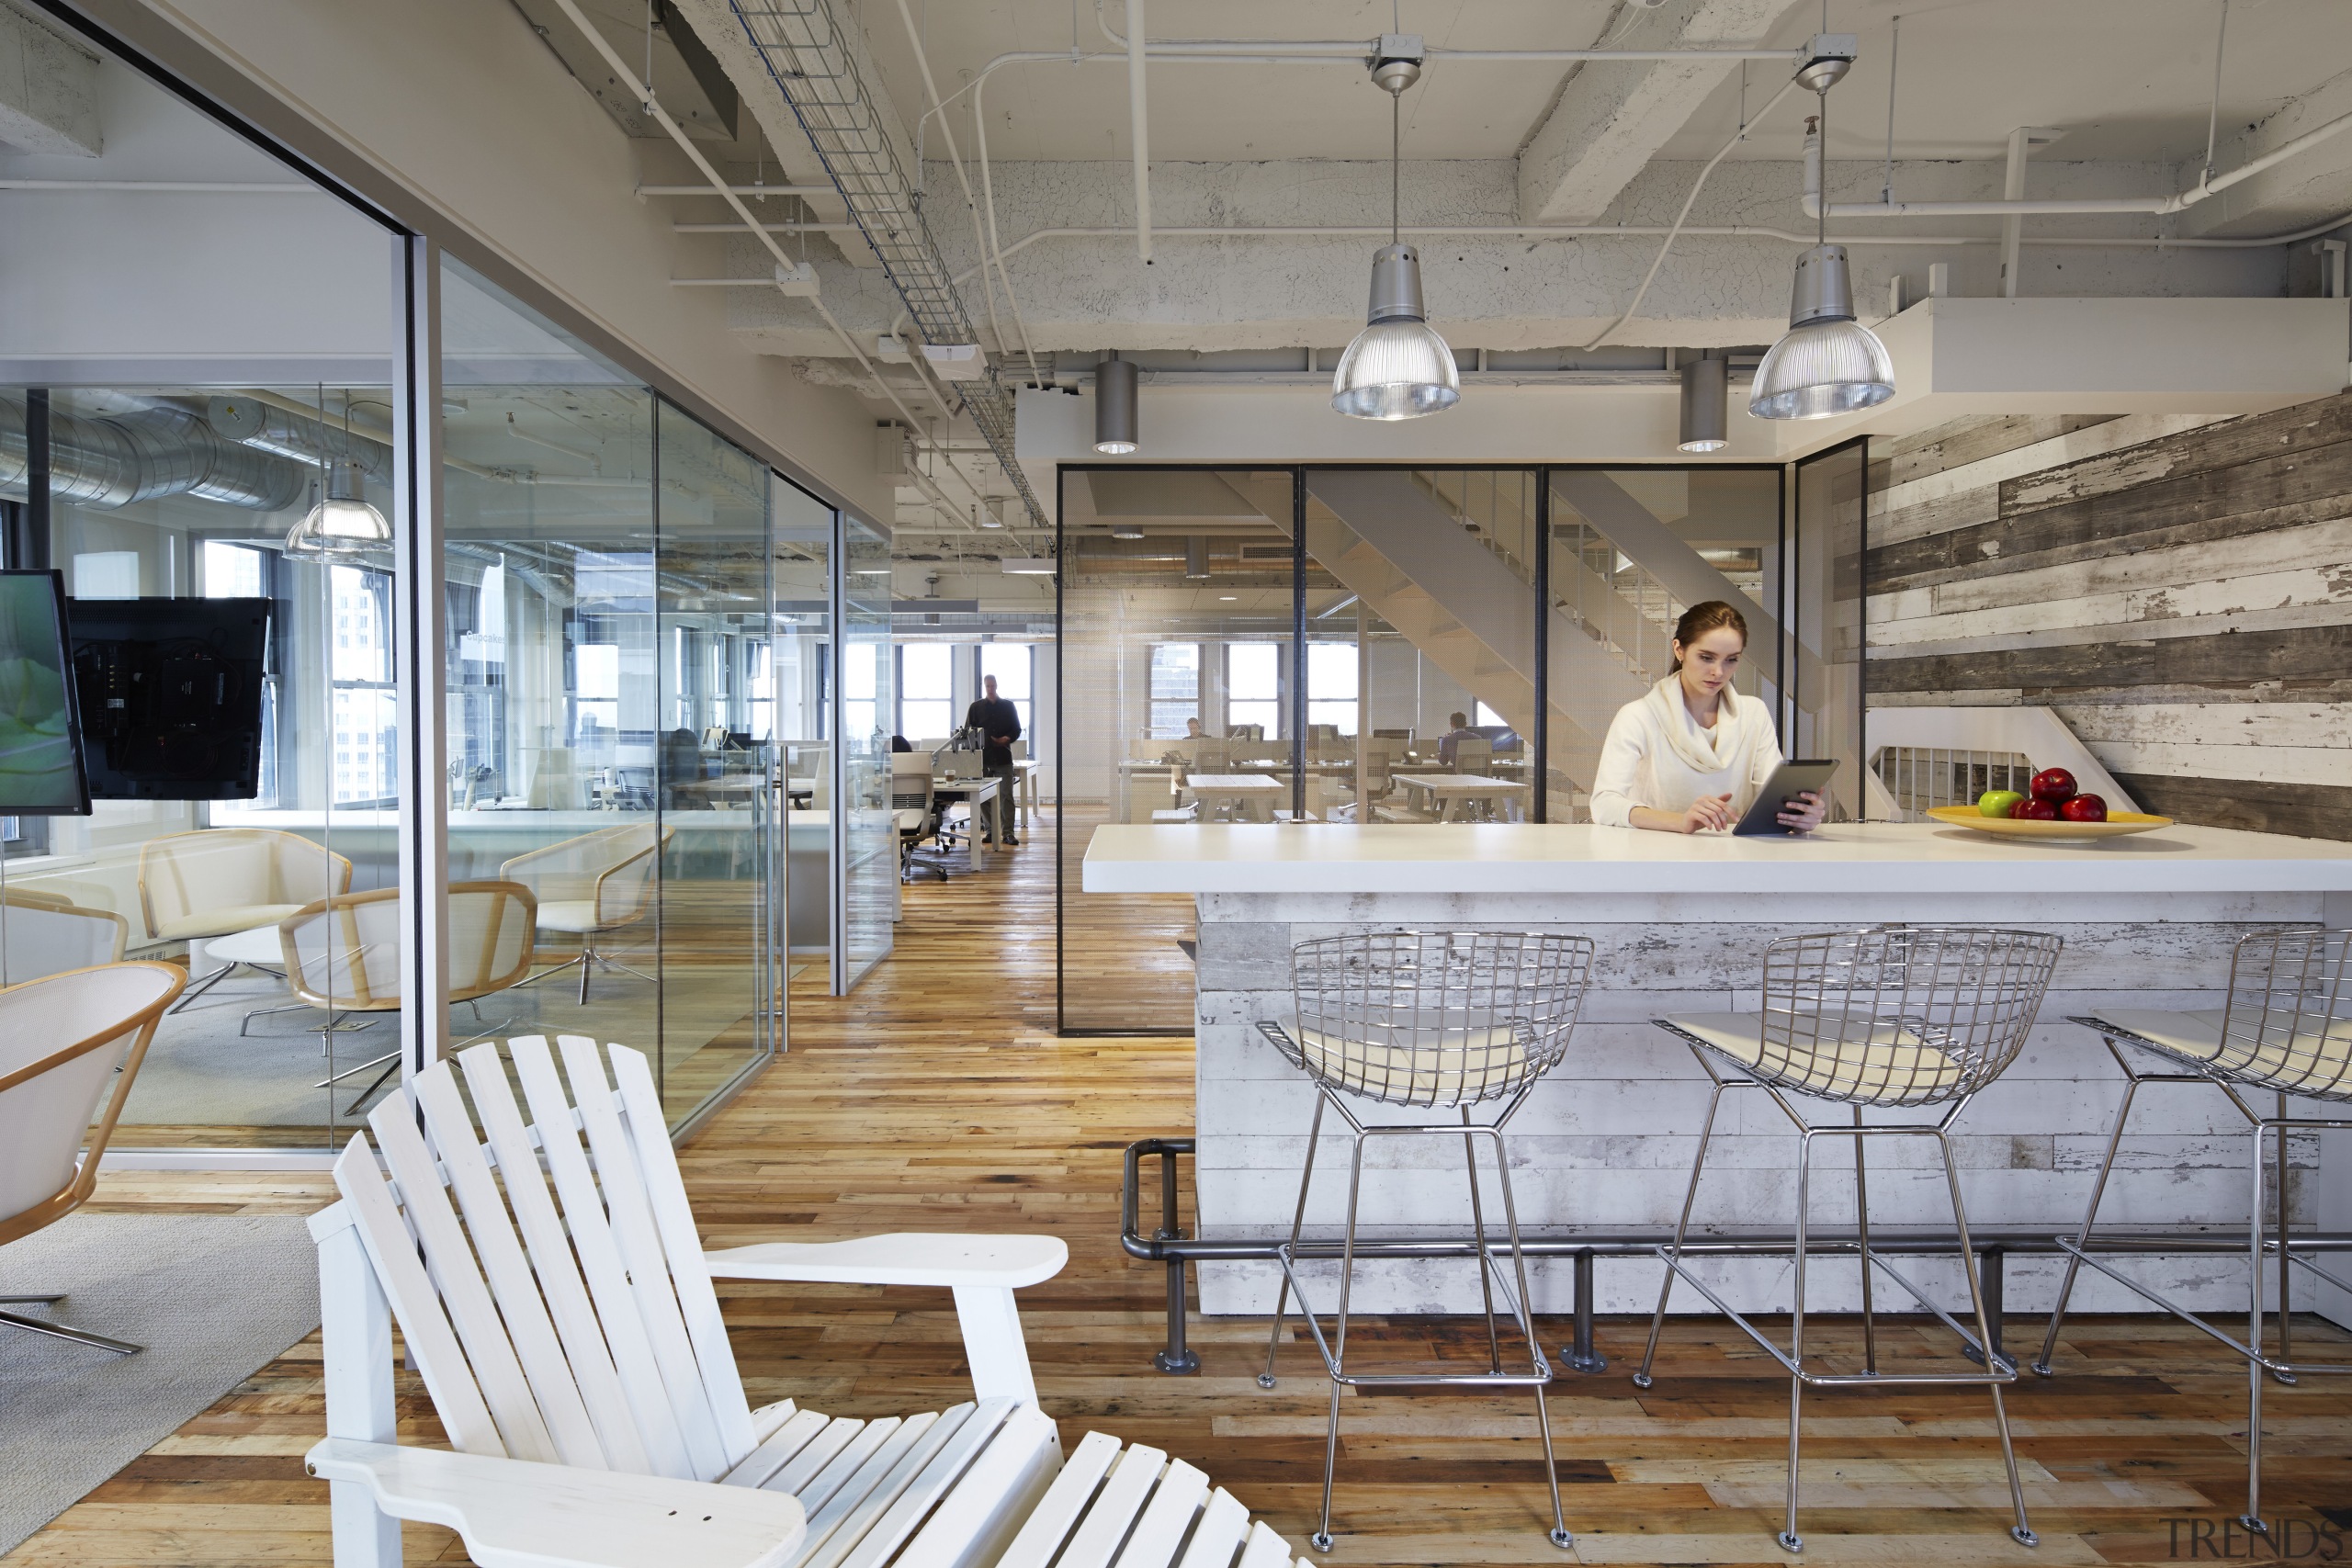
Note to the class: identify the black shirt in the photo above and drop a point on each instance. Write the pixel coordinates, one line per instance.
(993, 717)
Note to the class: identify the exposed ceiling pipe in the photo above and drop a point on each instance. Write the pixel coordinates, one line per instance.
(116, 461)
(1138, 128)
(2156, 205)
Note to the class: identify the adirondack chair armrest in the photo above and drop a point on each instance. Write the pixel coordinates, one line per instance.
(514, 1514)
(902, 1257)
(982, 1270)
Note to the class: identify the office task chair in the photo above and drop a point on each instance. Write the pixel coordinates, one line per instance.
(916, 808)
(219, 881)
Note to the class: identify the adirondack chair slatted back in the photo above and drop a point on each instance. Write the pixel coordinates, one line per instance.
(572, 1322)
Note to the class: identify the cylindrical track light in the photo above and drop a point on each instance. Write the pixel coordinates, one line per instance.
(1115, 424)
(1706, 385)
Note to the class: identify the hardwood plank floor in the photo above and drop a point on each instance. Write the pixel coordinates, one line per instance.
(938, 1097)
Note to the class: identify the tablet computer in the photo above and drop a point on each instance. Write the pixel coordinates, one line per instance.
(1792, 778)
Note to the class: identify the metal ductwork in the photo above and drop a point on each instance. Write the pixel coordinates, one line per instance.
(117, 460)
(306, 439)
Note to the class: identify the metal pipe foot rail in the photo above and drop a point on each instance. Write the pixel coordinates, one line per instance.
(1168, 1245)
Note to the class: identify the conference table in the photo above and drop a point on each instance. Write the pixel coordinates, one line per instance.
(1474, 795)
(1237, 792)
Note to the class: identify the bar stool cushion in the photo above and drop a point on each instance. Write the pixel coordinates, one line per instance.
(1875, 1060)
(2196, 1036)
(1460, 1063)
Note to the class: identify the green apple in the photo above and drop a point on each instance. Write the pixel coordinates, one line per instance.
(1997, 802)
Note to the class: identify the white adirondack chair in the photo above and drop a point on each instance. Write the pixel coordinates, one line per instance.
(572, 1346)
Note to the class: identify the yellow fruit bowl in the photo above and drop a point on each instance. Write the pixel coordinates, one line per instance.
(2116, 825)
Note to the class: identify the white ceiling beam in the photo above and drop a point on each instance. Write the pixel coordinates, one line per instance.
(49, 90)
(1613, 116)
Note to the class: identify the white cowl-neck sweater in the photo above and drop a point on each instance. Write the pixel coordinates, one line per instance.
(1658, 756)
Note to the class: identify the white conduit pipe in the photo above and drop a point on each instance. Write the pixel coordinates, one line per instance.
(2156, 205)
(1589, 231)
(1139, 128)
(719, 188)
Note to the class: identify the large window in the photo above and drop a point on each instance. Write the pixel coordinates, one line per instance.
(1331, 687)
(861, 666)
(1253, 689)
(926, 690)
(1175, 680)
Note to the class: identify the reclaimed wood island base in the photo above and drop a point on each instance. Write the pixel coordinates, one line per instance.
(1605, 1141)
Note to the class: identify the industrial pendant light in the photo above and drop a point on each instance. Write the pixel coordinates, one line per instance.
(1706, 385)
(342, 523)
(1827, 363)
(1396, 368)
(1115, 421)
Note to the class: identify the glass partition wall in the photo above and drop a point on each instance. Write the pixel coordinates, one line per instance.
(612, 699)
(1364, 646)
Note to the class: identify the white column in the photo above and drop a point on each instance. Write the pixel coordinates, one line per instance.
(420, 616)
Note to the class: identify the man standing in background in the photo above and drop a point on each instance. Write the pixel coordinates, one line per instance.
(999, 723)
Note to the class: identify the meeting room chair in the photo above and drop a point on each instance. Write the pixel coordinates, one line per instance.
(591, 886)
(343, 954)
(48, 933)
(63, 1037)
(916, 808)
(219, 881)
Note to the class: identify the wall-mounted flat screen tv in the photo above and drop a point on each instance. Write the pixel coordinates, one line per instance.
(171, 695)
(40, 740)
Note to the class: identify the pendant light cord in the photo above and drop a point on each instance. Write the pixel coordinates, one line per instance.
(1395, 154)
(1680, 218)
(1821, 212)
(2213, 116)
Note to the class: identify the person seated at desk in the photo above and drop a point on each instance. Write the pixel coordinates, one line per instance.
(900, 743)
(1192, 731)
(1689, 756)
(1457, 730)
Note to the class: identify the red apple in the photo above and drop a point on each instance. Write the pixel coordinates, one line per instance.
(2035, 810)
(2053, 785)
(2084, 809)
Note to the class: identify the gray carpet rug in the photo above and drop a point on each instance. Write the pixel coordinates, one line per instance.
(212, 1297)
(201, 1072)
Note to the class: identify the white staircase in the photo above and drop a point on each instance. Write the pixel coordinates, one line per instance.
(1921, 757)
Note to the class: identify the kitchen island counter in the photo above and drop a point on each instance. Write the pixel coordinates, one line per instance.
(1680, 924)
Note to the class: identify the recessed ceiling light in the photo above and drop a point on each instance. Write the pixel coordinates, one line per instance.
(1230, 598)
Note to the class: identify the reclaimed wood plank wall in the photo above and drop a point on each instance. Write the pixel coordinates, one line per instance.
(2178, 588)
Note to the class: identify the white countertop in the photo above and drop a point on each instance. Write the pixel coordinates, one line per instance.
(1855, 857)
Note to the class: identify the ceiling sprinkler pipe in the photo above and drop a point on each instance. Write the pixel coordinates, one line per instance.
(2156, 205)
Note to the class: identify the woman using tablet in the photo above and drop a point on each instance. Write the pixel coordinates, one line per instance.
(1689, 756)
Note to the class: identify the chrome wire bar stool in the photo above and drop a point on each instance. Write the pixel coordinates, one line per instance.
(2287, 1028)
(1428, 1021)
(1901, 1017)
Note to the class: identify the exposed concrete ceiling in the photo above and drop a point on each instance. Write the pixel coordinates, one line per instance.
(1250, 150)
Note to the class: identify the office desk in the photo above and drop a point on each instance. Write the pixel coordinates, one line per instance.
(1024, 780)
(1252, 793)
(978, 792)
(1469, 793)
(1157, 778)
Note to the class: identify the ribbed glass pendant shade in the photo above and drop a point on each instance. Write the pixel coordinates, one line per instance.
(1820, 369)
(1395, 369)
(1827, 363)
(342, 523)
